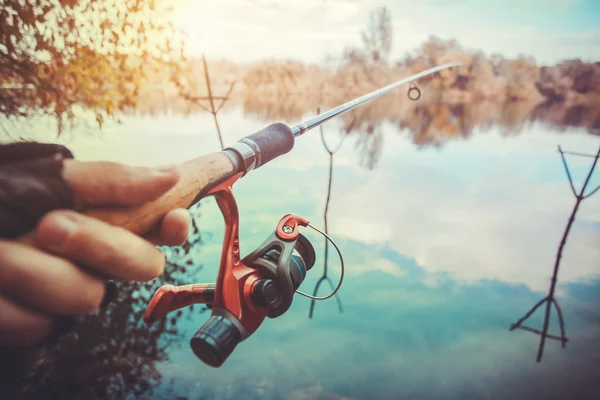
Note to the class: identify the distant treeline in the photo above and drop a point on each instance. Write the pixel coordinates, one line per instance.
(482, 77)
(486, 91)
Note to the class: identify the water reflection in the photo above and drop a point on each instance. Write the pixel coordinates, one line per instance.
(550, 300)
(324, 277)
(417, 324)
(444, 246)
(429, 121)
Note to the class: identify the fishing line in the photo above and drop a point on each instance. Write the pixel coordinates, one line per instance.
(342, 268)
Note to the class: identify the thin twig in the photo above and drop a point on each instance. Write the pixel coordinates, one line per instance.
(528, 314)
(590, 173)
(212, 103)
(567, 171)
(218, 130)
(549, 336)
(200, 98)
(226, 97)
(214, 111)
(589, 176)
(591, 193)
(202, 106)
(207, 77)
(579, 154)
(561, 322)
(549, 299)
(326, 228)
(560, 250)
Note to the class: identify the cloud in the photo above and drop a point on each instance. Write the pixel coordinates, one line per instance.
(381, 264)
(495, 218)
(394, 340)
(309, 30)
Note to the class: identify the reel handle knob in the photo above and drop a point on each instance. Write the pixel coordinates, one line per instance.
(264, 293)
(215, 340)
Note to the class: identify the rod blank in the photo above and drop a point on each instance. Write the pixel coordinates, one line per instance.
(309, 124)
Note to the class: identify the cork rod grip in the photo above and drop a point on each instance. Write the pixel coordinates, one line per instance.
(196, 175)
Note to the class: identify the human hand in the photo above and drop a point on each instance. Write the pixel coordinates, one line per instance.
(63, 275)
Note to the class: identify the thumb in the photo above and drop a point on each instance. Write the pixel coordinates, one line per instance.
(109, 183)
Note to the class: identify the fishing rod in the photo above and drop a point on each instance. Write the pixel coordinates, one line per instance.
(261, 284)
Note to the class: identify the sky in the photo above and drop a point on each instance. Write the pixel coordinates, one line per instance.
(309, 30)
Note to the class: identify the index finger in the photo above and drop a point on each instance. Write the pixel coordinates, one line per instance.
(109, 183)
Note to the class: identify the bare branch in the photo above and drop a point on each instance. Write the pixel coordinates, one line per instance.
(592, 192)
(567, 171)
(561, 322)
(200, 98)
(202, 106)
(589, 176)
(549, 299)
(208, 85)
(579, 154)
(226, 97)
(528, 329)
(325, 212)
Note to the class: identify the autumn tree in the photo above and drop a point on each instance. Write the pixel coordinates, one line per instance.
(58, 57)
(376, 40)
(483, 82)
(571, 75)
(521, 74)
(278, 77)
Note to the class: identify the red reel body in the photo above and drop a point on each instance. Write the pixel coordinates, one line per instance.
(247, 290)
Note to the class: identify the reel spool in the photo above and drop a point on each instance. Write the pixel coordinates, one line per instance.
(282, 267)
(247, 290)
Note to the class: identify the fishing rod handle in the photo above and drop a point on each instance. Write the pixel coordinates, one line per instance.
(197, 177)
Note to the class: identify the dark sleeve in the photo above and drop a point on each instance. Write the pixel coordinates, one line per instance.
(31, 184)
(14, 153)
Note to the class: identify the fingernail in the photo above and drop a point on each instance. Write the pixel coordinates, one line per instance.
(57, 231)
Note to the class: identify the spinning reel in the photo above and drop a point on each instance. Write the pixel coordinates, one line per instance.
(263, 283)
(247, 290)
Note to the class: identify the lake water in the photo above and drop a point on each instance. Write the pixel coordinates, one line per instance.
(445, 247)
